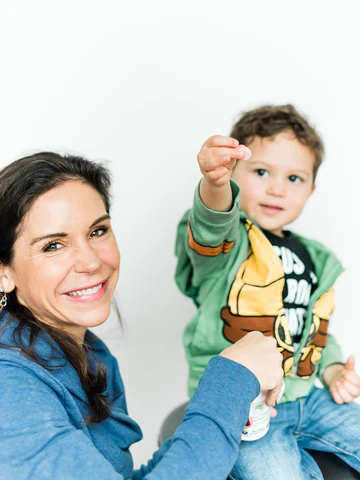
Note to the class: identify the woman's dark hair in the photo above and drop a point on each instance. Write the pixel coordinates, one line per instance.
(269, 120)
(21, 183)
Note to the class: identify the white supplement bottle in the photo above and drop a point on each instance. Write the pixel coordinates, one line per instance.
(260, 415)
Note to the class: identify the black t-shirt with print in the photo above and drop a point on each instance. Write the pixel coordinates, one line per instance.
(300, 279)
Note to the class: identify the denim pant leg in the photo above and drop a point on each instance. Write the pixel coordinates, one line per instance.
(277, 455)
(330, 427)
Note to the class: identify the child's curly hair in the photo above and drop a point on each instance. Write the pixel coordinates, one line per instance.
(269, 120)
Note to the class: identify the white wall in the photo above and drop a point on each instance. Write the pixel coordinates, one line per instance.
(142, 85)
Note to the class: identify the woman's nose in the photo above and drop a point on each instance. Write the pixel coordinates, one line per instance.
(87, 260)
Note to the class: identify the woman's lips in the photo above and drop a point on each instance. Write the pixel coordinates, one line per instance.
(271, 209)
(89, 294)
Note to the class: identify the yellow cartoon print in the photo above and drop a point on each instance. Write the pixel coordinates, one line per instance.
(255, 303)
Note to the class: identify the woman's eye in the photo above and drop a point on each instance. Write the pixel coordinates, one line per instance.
(52, 247)
(262, 173)
(295, 179)
(98, 232)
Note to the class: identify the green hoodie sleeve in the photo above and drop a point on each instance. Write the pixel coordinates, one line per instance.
(204, 238)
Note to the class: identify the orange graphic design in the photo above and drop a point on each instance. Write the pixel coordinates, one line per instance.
(225, 247)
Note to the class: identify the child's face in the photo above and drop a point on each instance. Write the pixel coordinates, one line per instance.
(276, 182)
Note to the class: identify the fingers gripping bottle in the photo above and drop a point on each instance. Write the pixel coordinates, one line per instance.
(260, 416)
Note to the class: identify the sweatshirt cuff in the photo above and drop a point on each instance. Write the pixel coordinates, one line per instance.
(214, 216)
(225, 392)
(321, 376)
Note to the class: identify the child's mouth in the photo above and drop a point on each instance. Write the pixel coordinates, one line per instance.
(271, 209)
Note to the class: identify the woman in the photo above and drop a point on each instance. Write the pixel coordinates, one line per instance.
(62, 405)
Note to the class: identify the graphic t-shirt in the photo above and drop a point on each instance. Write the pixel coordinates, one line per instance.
(300, 279)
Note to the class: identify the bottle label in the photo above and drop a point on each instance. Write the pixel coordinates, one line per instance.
(260, 415)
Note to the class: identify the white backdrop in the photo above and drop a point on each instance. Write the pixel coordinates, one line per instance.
(142, 85)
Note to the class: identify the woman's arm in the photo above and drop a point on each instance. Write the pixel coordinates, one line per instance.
(206, 445)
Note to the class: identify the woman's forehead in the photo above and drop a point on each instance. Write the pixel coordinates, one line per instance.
(69, 206)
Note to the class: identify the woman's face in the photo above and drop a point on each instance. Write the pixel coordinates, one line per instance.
(66, 260)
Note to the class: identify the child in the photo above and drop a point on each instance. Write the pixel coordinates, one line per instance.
(245, 272)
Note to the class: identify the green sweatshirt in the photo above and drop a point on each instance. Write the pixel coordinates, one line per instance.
(229, 268)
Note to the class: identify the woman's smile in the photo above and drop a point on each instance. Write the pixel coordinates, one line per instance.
(88, 294)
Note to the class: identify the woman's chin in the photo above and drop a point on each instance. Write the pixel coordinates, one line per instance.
(91, 318)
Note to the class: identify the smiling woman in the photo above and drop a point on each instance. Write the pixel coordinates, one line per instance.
(59, 264)
(56, 250)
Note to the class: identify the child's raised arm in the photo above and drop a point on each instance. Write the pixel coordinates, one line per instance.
(217, 158)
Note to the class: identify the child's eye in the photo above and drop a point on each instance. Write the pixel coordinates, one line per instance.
(295, 179)
(262, 173)
(98, 232)
(52, 247)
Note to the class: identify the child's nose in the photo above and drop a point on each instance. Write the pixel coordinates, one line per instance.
(276, 188)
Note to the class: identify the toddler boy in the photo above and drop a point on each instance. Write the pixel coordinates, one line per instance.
(246, 272)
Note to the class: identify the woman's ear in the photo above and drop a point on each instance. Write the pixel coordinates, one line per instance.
(6, 281)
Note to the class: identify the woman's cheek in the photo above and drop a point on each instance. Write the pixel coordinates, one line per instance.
(110, 255)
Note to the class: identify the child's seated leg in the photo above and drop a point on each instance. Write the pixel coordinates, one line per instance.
(330, 427)
(277, 455)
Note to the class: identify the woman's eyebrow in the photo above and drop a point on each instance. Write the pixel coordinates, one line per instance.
(49, 235)
(63, 234)
(101, 219)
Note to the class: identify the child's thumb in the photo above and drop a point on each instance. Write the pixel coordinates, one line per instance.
(350, 364)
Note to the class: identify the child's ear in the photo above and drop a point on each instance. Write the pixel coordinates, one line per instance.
(312, 189)
(6, 281)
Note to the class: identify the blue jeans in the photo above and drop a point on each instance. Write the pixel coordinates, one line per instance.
(314, 422)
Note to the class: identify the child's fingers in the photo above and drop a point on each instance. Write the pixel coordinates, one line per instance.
(350, 388)
(221, 141)
(209, 159)
(345, 396)
(335, 394)
(217, 173)
(239, 153)
(352, 377)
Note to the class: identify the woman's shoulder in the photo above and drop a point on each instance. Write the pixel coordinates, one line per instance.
(8, 348)
(11, 337)
(11, 354)
(53, 367)
(50, 366)
(94, 342)
(21, 375)
(99, 349)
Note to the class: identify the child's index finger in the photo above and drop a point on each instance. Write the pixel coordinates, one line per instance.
(221, 141)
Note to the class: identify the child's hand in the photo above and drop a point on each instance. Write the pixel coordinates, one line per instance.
(345, 384)
(218, 157)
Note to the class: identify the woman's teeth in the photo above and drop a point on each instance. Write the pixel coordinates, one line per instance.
(88, 291)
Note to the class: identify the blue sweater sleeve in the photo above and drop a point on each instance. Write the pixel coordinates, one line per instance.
(206, 444)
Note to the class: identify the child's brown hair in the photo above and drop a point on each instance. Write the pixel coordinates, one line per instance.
(269, 120)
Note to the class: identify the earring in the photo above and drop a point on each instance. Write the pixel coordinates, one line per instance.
(3, 299)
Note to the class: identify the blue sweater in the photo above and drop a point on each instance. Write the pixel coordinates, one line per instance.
(43, 434)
